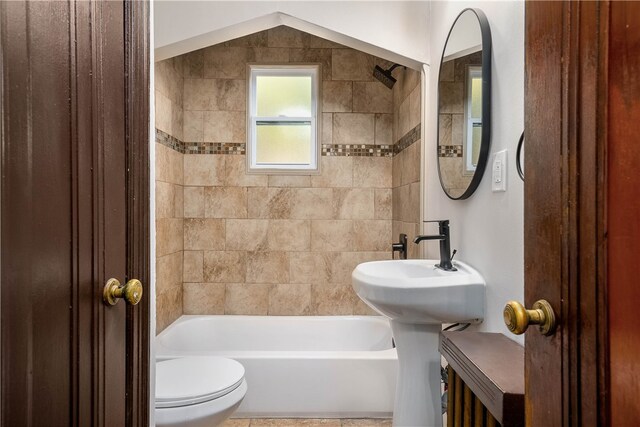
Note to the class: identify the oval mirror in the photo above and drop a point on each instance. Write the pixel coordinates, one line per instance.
(464, 105)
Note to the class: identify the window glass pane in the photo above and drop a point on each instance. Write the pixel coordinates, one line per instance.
(288, 143)
(477, 139)
(288, 96)
(476, 97)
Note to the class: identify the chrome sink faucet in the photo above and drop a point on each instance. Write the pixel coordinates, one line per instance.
(445, 245)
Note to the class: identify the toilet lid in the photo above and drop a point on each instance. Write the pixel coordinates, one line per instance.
(190, 380)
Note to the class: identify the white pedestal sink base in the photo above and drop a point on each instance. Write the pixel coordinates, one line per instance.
(418, 401)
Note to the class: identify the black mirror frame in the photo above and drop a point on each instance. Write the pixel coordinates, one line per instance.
(485, 144)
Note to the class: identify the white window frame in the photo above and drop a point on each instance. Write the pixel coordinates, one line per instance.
(311, 70)
(472, 71)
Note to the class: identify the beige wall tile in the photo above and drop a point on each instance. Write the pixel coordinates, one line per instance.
(204, 298)
(252, 40)
(290, 299)
(193, 65)
(165, 197)
(199, 94)
(353, 128)
(411, 162)
(204, 169)
(225, 202)
(247, 298)
(311, 56)
(224, 126)
(383, 207)
(230, 95)
(327, 128)
(337, 171)
(204, 234)
(350, 64)
(415, 107)
(444, 129)
(372, 235)
(269, 202)
(267, 267)
(311, 267)
(404, 118)
(289, 235)
(337, 96)
(414, 202)
(236, 173)
(177, 121)
(194, 202)
(224, 62)
(289, 181)
(397, 165)
(384, 129)
(353, 203)
(319, 42)
(168, 272)
(372, 172)
(225, 266)
(193, 270)
(283, 36)
(168, 235)
(178, 201)
(163, 112)
(275, 55)
(332, 299)
(311, 203)
(246, 234)
(168, 308)
(372, 97)
(331, 235)
(169, 167)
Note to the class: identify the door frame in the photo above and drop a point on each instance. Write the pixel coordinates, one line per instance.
(137, 122)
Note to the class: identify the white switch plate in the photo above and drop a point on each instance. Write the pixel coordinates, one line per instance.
(499, 172)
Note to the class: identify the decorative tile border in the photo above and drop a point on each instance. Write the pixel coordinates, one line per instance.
(169, 141)
(409, 138)
(450, 151)
(345, 150)
(214, 148)
(357, 150)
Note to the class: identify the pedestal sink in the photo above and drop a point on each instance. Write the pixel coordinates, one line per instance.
(418, 298)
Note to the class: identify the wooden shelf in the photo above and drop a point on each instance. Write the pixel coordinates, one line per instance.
(492, 366)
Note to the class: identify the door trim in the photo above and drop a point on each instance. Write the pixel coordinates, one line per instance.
(137, 66)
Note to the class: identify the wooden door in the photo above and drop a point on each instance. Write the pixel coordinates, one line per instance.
(582, 211)
(74, 212)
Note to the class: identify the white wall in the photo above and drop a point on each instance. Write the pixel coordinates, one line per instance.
(394, 30)
(487, 229)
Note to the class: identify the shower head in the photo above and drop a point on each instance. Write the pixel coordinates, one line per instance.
(384, 76)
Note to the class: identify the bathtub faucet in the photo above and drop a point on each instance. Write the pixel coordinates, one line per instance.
(445, 245)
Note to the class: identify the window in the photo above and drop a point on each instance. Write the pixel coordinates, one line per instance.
(283, 118)
(473, 114)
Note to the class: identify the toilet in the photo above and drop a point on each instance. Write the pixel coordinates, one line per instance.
(197, 391)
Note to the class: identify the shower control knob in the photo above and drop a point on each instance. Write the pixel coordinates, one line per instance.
(517, 318)
(130, 291)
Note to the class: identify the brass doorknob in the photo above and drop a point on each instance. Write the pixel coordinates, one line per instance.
(130, 291)
(517, 318)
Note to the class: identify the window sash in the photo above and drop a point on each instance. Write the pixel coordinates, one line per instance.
(254, 119)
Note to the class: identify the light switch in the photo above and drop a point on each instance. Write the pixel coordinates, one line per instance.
(499, 172)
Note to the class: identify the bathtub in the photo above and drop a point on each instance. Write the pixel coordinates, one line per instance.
(297, 366)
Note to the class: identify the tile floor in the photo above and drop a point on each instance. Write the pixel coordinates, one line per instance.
(307, 422)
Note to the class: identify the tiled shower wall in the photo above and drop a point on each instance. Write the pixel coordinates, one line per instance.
(169, 193)
(277, 244)
(406, 163)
